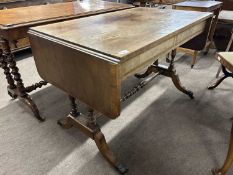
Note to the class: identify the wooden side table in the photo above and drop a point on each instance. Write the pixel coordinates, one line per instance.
(202, 6)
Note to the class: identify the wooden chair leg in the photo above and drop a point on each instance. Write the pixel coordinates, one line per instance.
(229, 160)
(194, 58)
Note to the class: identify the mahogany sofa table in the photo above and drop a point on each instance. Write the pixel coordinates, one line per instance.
(117, 46)
(202, 6)
(14, 24)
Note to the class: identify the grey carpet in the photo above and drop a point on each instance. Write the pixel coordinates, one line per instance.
(160, 130)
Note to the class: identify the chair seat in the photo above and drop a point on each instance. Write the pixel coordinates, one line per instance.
(226, 16)
(226, 59)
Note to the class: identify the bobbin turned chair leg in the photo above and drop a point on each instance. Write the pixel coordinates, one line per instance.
(92, 130)
(229, 160)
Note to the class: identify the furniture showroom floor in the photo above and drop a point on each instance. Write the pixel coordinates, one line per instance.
(160, 130)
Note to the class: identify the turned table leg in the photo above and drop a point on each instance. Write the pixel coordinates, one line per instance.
(107, 153)
(229, 160)
(176, 81)
(14, 69)
(90, 127)
(149, 70)
(74, 108)
(5, 67)
(20, 91)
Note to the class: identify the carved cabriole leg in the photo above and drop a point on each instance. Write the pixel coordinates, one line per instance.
(175, 78)
(92, 130)
(229, 160)
(218, 82)
(4, 66)
(166, 71)
(20, 91)
(149, 70)
(177, 83)
(107, 153)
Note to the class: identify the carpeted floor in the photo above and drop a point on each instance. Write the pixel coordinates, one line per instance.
(160, 130)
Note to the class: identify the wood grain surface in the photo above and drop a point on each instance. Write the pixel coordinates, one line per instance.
(24, 16)
(8, 1)
(123, 34)
(90, 58)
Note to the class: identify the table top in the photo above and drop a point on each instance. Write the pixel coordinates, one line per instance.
(199, 4)
(226, 58)
(124, 33)
(9, 1)
(226, 16)
(27, 16)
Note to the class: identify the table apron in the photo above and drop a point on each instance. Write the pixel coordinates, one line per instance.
(132, 66)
